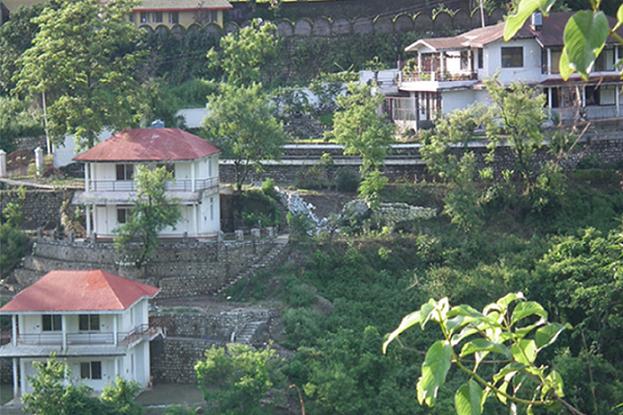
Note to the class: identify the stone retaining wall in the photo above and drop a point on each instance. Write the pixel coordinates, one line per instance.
(41, 208)
(173, 359)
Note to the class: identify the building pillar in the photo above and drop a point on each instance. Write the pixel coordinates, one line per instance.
(116, 360)
(419, 63)
(193, 177)
(549, 61)
(115, 333)
(583, 97)
(442, 65)
(87, 213)
(15, 379)
(14, 330)
(39, 162)
(196, 220)
(86, 177)
(64, 330)
(617, 98)
(3, 172)
(22, 376)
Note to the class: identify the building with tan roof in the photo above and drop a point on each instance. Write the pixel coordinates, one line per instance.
(447, 73)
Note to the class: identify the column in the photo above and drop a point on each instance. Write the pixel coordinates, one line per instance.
(116, 362)
(617, 91)
(442, 65)
(549, 100)
(3, 163)
(419, 63)
(549, 61)
(88, 218)
(414, 104)
(86, 177)
(583, 99)
(22, 376)
(115, 333)
(193, 175)
(14, 330)
(64, 330)
(15, 379)
(196, 220)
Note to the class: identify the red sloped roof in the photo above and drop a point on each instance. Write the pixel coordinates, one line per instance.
(150, 144)
(84, 290)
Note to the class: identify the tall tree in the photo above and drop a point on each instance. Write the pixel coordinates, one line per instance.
(246, 54)
(152, 212)
(85, 58)
(241, 121)
(364, 131)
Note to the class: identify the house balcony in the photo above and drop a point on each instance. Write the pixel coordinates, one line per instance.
(435, 80)
(178, 185)
(75, 343)
(590, 112)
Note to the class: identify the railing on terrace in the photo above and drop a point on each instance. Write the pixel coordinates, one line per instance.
(181, 185)
(83, 337)
(590, 112)
(437, 76)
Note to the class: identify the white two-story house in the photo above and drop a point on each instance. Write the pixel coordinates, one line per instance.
(447, 73)
(94, 321)
(110, 189)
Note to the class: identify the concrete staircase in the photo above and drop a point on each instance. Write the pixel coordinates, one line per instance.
(268, 261)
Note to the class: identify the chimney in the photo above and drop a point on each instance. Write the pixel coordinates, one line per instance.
(536, 21)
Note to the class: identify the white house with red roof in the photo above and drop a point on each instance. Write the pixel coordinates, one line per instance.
(447, 73)
(110, 189)
(96, 321)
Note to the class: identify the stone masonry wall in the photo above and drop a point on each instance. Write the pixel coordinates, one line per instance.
(41, 208)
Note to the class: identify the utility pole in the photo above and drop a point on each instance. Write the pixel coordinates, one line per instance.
(45, 124)
(482, 13)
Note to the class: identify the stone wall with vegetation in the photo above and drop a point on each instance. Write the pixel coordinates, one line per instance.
(41, 208)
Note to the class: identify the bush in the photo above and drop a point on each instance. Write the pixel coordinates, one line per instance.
(253, 207)
(301, 227)
(235, 378)
(268, 188)
(347, 180)
(14, 245)
(180, 410)
(313, 177)
(302, 326)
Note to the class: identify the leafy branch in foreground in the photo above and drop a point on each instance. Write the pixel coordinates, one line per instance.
(512, 329)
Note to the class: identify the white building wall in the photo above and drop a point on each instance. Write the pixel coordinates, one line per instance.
(531, 70)
(108, 372)
(453, 100)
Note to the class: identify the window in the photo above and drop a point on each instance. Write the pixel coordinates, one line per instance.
(90, 370)
(122, 215)
(465, 61)
(144, 17)
(89, 322)
(481, 58)
(131, 17)
(174, 17)
(51, 322)
(169, 167)
(125, 171)
(212, 16)
(556, 54)
(605, 61)
(512, 57)
(156, 17)
(592, 95)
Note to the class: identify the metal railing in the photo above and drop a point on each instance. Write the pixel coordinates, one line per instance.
(590, 112)
(437, 76)
(181, 185)
(83, 337)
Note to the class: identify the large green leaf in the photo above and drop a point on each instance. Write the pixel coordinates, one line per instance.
(482, 345)
(434, 370)
(524, 351)
(526, 309)
(619, 17)
(468, 399)
(548, 334)
(407, 321)
(525, 9)
(585, 35)
(553, 382)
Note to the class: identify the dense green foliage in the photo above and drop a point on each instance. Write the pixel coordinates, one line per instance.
(14, 243)
(152, 212)
(234, 379)
(341, 297)
(53, 395)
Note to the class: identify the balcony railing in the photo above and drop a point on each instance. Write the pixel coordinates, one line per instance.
(181, 185)
(590, 112)
(82, 338)
(437, 76)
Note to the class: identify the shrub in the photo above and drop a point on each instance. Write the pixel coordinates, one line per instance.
(347, 180)
(268, 188)
(313, 177)
(302, 326)
(255, 207)
(14, 245)
(301, 227)
(180, 410)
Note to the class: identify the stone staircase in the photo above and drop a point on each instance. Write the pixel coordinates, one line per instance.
(269, 260)
(249, 331)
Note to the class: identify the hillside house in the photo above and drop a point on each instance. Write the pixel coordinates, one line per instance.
(447, 73)
(95, 321)
(152, 13)
(109, 187)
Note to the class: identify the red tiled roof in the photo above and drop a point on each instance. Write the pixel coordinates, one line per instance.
(84, 290)
(550, 34)
(150, 144)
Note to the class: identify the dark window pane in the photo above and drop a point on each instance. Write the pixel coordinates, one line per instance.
(129, 171)
(481, 58)
(95, 322)
(122, 215)
(57, 322)
(120, 172)
(512, 57)
(156, 17)
(85, 370)
(83, 323)
(46, 323)
(96, 370)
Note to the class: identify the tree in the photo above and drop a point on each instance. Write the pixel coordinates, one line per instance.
(16, 121)
(85, 58)
(234, 379)
(241, 121)
(151, 213)
(51, 396)
(246, 53)
(364, 131)
(585, 33)
(119, 398)
(512, 330)
(13, 241)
